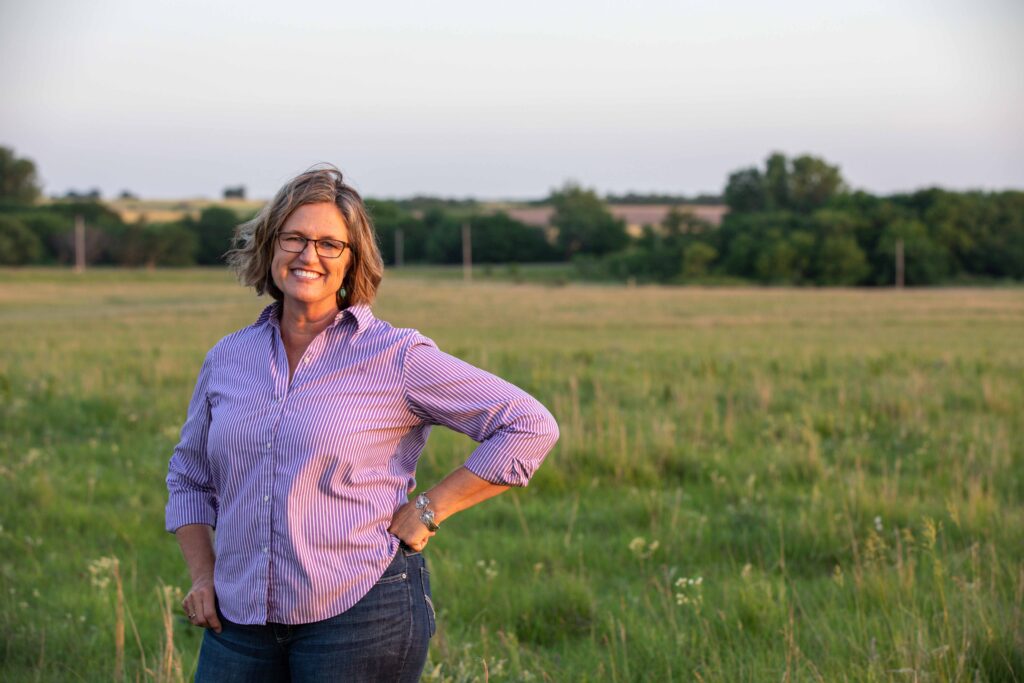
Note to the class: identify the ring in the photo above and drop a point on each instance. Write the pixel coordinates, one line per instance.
(192, 616)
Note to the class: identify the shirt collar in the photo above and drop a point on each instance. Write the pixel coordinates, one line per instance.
(360, 313)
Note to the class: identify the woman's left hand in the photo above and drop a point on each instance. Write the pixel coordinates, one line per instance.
(406, 525)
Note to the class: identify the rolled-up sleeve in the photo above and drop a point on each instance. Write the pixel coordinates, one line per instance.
(514, 430)
(191, 497)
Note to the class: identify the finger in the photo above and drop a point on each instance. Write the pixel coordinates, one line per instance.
(198, 611)
(186, 605)
(210, 613)
(206, 611)
(195, 611)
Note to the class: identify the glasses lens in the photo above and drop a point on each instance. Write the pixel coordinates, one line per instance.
(329, 248)
(292, 243)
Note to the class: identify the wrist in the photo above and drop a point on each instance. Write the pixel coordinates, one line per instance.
(202, 577)
(441, 503)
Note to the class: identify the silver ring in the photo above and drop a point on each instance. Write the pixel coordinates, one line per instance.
(192, 616)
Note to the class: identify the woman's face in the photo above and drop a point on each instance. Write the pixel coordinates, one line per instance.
(306, 279)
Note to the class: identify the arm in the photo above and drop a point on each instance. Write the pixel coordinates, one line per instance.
(514, 430)
(196, 541)
(459, 490)
(192, 505)
(191, 496)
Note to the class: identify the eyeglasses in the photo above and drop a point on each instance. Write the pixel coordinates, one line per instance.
(296, 244)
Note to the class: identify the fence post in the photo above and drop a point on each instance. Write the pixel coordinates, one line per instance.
(467, 253)
(899, 264)
(79, 244)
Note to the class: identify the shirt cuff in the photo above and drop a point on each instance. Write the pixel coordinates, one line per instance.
(190, 508)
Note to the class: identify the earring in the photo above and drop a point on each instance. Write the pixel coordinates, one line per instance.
(342, 293)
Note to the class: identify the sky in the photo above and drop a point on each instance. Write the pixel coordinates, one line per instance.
(509, 100)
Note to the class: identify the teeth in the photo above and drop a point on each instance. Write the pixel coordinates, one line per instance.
(306, 274)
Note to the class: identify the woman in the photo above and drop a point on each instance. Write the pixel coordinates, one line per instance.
(300, 448)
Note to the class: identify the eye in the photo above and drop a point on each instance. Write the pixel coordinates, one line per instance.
(293, 240)
(332, 245)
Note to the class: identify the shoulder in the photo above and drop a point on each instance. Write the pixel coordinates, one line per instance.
(381, 333)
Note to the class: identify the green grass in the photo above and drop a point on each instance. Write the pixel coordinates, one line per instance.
(841, 469)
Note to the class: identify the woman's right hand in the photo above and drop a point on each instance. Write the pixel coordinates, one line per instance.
(196, 541)
(201, 604)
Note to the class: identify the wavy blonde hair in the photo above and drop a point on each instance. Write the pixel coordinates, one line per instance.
(254, 240)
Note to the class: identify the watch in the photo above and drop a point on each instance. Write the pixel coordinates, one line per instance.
(426, 514)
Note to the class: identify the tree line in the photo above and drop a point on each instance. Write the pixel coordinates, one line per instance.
(791, 221)
(795, 222)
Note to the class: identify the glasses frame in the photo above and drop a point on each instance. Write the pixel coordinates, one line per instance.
(307, 240)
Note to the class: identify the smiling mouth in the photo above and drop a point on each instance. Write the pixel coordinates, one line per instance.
(305, 274)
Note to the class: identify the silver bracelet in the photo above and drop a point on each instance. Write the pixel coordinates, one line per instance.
(426, 514)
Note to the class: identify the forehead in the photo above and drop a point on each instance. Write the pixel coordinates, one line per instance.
(323, 219)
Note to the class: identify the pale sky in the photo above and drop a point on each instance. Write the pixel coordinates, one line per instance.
(180, 99)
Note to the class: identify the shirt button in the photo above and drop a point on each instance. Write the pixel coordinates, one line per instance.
(268, 444)
(264, 549)
(266, 498)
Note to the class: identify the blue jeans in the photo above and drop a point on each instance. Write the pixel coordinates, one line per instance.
(383, 637)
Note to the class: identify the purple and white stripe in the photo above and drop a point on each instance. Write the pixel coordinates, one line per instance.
(301, 481)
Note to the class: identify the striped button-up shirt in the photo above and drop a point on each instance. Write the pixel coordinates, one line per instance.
(301, 479)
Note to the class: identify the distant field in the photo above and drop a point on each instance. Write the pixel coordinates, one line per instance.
(170, 210)
(751, 485)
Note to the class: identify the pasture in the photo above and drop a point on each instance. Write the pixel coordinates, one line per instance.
(751, 484)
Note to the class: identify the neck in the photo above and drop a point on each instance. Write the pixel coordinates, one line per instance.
(305, 321)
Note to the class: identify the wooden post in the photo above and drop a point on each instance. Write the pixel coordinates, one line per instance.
(899, 264)
(467, 253)
(79, 244)
(399, 248)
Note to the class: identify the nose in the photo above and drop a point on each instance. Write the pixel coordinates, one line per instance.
(308, 252)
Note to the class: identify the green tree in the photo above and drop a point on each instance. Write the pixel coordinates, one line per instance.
(776, 182)
(777, 261)
(926, 262)
(697, 259)
(169, 244)
(132, 248)
(53, 230)
(18, 181)
(388, 218)
(585, 225)
(840, 261)
(813, 182)
(745, 191)
(804, 184)
(18, 245)
(213, 230)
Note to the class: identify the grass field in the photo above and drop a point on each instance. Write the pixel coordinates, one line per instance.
(751, 484)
